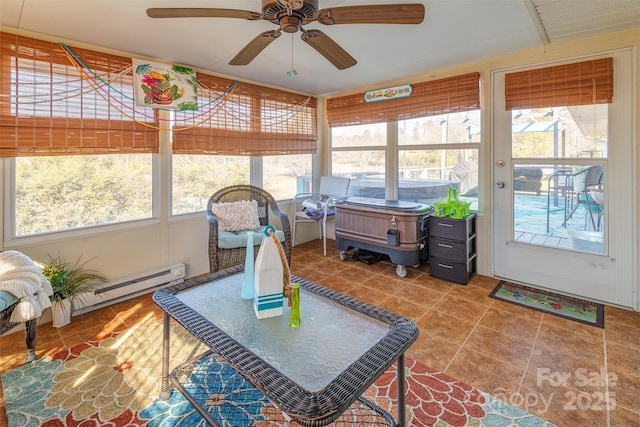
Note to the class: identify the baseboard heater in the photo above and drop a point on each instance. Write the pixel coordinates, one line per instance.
(128, 287)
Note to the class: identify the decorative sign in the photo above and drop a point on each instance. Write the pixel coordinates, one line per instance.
(165, 86)
(395, 92)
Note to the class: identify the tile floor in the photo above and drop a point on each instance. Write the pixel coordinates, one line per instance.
(563, 371)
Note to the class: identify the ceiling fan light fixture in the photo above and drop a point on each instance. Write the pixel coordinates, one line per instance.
(290, 24)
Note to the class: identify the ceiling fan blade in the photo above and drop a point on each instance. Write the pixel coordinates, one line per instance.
(406, 13)
(255, 46)
(188, 12)
(329, 49)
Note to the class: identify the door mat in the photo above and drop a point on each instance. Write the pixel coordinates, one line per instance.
(582, 311)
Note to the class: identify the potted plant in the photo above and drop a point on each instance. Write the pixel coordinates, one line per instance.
(68, 281)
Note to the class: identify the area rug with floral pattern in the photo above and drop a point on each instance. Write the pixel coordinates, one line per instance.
(116, 381)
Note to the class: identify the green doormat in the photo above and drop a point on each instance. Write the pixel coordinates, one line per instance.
(576, 309)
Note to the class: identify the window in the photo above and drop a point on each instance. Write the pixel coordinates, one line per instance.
(559, 129)
(568, 199)
(284, 176)
(197, 177)
(78, 154)
(436, 153)
(560, 132)
(71, 109)
(433, 145)
(235, 123)
(92, 191)
(359, 152)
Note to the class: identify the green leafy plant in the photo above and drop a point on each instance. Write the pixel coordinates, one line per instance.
(70, 280)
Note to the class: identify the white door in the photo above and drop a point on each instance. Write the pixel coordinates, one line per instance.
(564, 196)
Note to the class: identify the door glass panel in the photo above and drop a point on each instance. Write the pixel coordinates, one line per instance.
(561, 132)
(560, 204)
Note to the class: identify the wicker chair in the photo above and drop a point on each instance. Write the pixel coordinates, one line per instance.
(30, 328)
(222, 258)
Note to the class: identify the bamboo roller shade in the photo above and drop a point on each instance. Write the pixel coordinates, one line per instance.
(47, 109)
(581, 83)
(55, 112)
(254, 120)
(448, 95)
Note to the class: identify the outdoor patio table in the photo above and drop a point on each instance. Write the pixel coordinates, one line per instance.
(314, 373)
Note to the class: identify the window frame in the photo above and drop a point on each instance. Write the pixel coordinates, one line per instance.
(383, 148)
(11, 240)
(393, 151)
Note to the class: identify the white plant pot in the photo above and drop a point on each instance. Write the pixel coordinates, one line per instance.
(61, 312)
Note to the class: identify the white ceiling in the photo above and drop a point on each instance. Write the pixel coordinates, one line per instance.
(453, 32)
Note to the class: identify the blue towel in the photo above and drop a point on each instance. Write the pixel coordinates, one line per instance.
(314, 214)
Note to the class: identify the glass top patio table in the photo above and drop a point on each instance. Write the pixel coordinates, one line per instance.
(312, 373)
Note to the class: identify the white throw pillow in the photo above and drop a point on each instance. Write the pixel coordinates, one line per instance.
(235, 216)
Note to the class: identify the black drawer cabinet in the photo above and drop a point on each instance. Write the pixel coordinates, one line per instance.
(452, 271)
(453, 229)
(455, 250)
(452, 248)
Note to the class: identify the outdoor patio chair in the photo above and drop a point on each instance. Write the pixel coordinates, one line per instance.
(586, 181)
(576, 187)
(234, 211)
(318, 207)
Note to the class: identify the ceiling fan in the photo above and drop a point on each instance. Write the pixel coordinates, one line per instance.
(291, 16)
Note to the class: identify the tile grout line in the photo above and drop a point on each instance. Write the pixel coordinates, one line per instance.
(467, 338)
(606, 382)
(533, 345)
(429, 309)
